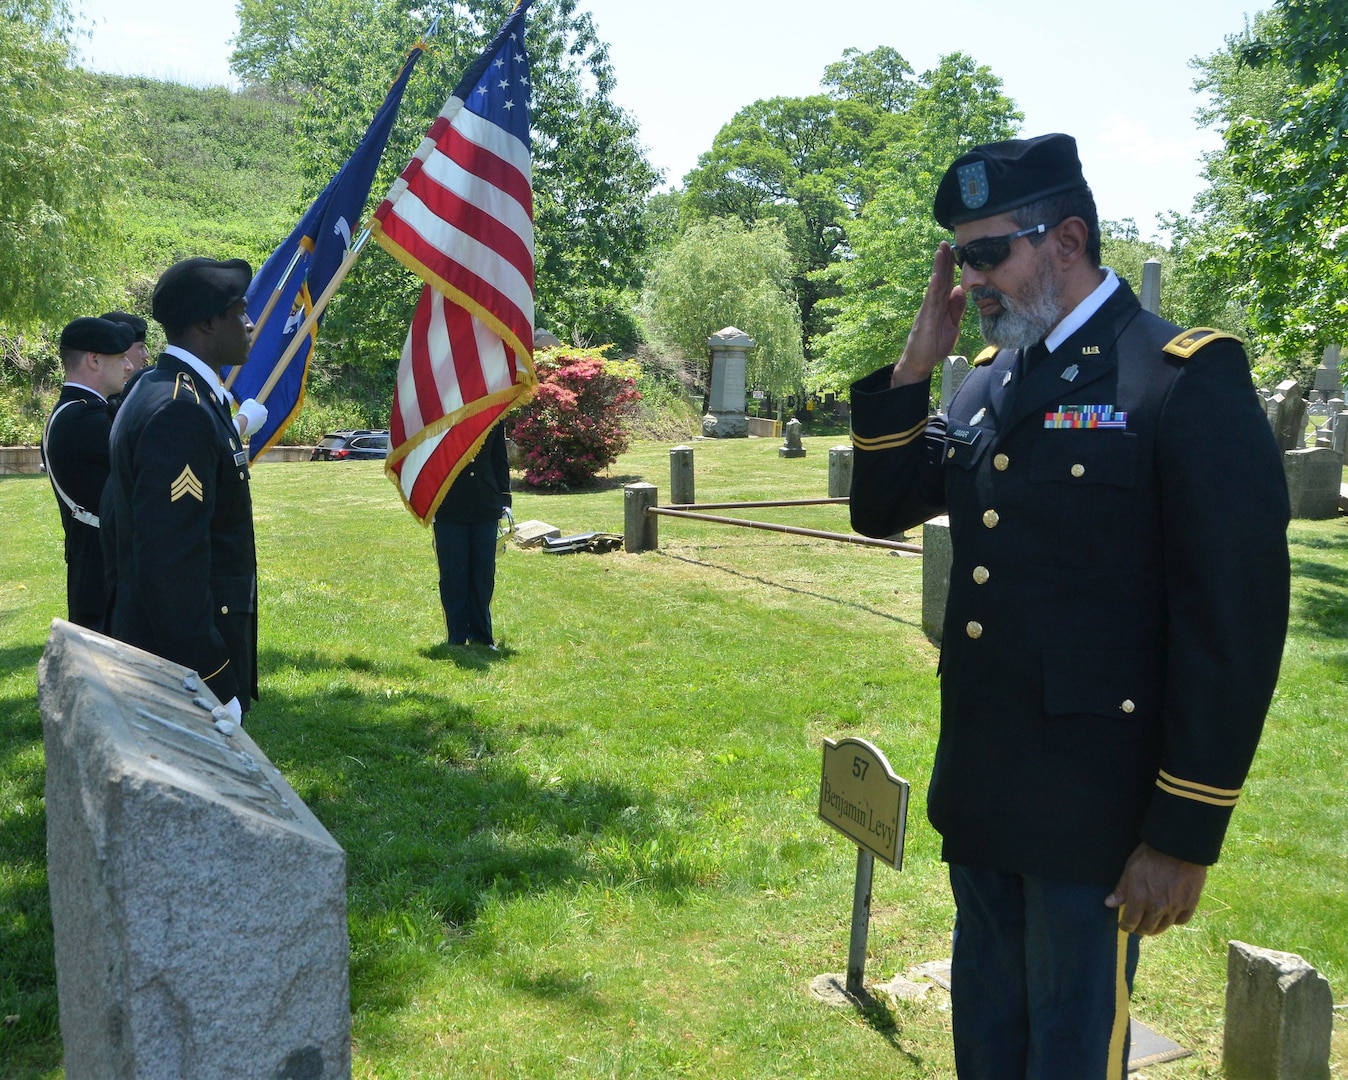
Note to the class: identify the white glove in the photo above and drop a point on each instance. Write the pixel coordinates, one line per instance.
(251, 416)
(235, 710)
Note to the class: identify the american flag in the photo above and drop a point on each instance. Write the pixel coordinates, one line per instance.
(461, 217)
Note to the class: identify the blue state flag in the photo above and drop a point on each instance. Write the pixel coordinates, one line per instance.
(321, 238)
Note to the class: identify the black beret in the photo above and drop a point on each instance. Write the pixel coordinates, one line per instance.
(996, 177)
(97, 336)
(195, 290)
(137, 324)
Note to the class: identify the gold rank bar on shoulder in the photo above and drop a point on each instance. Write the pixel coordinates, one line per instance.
(184, 382)
(889, 442)
(1190, 341)
(987, 354)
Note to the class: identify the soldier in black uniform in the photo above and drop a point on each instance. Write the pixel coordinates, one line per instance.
(465, 541)
(178, 514)
(1117, 606)
(138, 354)
(75, 453)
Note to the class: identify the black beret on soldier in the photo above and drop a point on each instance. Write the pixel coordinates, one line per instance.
(97, 336)
(195, 290)
(138, 325)
(996, 177)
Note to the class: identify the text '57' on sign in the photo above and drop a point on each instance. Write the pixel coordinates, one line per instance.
(863, 799)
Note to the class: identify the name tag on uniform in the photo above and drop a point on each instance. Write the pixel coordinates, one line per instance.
(1085, 416)
(965, 435)
(240, 458)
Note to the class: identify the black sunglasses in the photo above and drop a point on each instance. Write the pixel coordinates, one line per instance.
(989, 251)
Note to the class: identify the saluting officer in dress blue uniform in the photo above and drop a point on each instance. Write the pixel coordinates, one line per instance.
(75, 452)
(1117, 606)
(178, 513)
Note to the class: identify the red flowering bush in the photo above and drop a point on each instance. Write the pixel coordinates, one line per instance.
(576, 423)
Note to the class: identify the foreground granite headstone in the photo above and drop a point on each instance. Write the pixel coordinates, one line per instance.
(1313, 478)
(1279, 1016)
(199, 908)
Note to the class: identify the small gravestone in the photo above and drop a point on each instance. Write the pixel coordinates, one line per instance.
(1313, 478)
(1288, 415)
(937, 557)
(198, 907)
(839, 472)
(641, 531)
(532, 533)
(791, 447)
(953, 371)
(1279, 1016)
(682, 489)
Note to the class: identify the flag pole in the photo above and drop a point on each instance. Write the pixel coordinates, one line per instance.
(348, 260)
(266, 311)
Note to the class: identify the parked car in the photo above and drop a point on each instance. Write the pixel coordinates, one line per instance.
(362, 445)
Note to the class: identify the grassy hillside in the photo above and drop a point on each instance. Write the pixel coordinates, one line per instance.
(212, 173)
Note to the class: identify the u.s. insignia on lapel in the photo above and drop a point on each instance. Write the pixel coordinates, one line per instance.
(1085, 416)
(186, 484)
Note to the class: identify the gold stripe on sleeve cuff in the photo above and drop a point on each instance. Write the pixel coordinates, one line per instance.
(889, 442)
(1187, 789)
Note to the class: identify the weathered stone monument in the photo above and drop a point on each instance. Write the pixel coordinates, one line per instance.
(1279, 1016)
(791, 447)
(725, 417)
(199, 908)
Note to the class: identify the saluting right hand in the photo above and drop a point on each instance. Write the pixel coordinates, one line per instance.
(937, 326)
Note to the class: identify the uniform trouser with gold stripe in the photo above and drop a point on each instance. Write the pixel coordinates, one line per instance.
(1039, 980)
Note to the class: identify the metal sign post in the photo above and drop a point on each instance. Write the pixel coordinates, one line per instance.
(866, 801)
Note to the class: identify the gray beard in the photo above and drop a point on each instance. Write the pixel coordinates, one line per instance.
(1024, 322)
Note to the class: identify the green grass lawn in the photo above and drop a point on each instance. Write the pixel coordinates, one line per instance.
(597, 853)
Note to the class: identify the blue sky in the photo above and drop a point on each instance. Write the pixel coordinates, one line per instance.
(1116, 76)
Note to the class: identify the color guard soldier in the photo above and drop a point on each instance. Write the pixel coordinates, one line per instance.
(75, 453)
(138, 354)
(1117, 606)
(178, 514)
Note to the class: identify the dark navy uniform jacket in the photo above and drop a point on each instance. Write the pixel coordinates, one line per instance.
(1118, 595)
(178, 531)
(75, 451)
(482, 489)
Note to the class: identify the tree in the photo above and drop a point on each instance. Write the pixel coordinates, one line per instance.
(879, 287)
(590, 176)
(59, 162)
(1281, 181)
(815, 163)
(721, 273)
(789, 160)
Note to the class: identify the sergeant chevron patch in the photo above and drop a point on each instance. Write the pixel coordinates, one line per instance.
(186, 484)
